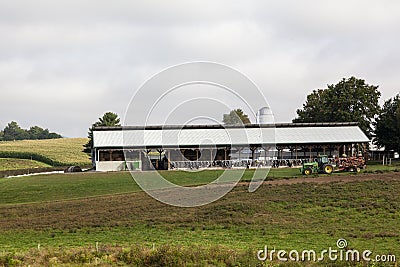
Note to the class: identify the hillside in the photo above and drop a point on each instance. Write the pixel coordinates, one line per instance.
(55, 152)
(18, 164)
(78, 219)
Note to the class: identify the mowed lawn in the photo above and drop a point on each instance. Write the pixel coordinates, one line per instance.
(53, 187)
(80, 210)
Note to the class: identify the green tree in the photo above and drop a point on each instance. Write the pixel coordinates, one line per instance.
(236, 117)
(34, 132)
(44, 134)
(350, 100)
(53, 136)
(14, 132)
(387, 126)
(108, 119)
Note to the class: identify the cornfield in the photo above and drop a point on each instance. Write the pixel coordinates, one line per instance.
(55, 152)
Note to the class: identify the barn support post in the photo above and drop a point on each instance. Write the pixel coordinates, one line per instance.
(183, 154)
(225, 149)
(265, 156)
(310, 150)
(318, 148)
(277, 152)
(160, 151)
(140, 159)
(169, 159)
(253, 150)
(338, 150)
(158, 163)
(365, 152)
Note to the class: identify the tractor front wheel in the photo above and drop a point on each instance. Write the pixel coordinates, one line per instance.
(307, 171)
(328, 169)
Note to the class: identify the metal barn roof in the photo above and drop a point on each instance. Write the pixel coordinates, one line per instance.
(217, 135)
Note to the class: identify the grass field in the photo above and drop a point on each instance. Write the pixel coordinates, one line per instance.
(18, 164)
(64, 151)
(69, 214)
(81, 185)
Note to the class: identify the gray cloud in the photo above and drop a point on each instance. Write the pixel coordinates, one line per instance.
(64, 63)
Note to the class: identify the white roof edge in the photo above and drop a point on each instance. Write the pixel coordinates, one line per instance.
(232, 136)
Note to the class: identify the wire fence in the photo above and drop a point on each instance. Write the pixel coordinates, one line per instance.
(240, 163)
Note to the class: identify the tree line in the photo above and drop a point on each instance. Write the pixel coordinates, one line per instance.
(350, 100)
(14, 132)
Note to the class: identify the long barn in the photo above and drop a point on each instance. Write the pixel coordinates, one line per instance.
(206, 146)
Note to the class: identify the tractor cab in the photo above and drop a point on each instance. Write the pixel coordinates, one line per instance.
(323, 159)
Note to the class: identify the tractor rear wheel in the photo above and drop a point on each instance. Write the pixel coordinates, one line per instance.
(307, 171)
(328, 169)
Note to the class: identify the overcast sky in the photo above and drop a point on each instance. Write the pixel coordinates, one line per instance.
(64, 63)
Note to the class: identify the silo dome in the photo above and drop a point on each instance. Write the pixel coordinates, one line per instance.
(265, 116)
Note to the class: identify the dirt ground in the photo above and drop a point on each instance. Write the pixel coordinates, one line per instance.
(338, 178)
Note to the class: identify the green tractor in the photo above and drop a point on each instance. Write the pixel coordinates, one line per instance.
(320, 165)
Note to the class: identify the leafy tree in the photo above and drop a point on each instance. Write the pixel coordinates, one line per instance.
(54, 136)
(350, 100)
(108, 119)
(387, 126)
(236, 117)
(1, 135)
(44, 134)
(14, 132)
(34, 132)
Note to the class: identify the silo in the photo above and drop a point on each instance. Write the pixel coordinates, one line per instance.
(265, 116)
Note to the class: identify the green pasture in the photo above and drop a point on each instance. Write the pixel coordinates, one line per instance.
(62, 213)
